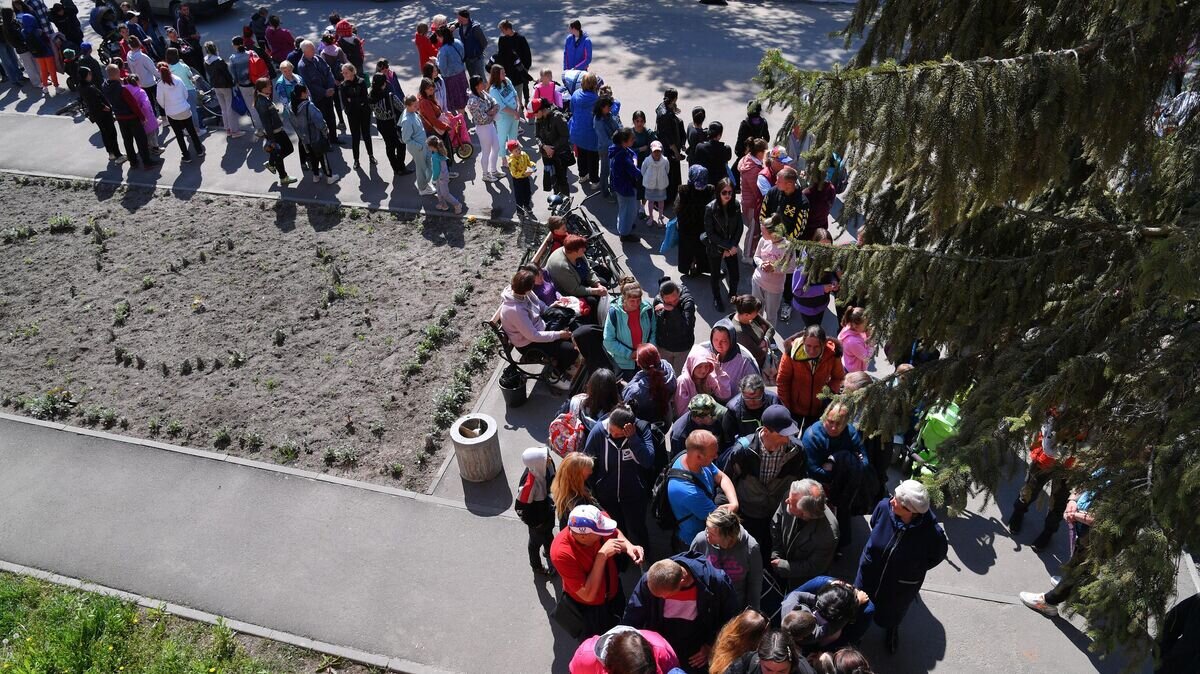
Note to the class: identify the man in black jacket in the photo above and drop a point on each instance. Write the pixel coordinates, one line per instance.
(670, 130)
(555, 140)
(713, 155)
(675, 323)
(99, 112)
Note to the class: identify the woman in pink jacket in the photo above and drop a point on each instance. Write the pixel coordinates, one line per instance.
(857, 350)
(749, 166)
(624, 649)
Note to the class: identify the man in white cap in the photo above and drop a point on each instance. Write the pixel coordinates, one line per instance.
(906, 542)
(584, 555)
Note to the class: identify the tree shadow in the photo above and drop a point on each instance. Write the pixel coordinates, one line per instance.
(1118, 662)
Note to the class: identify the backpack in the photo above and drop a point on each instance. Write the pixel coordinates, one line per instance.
(258, 67)
(567, 433)
(660, 504)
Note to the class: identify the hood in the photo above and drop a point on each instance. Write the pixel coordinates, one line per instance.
(508, 297)
(725, 325)
(344, 28)
(697, 565)
(615, 151)
(535, 459)
(694, 358)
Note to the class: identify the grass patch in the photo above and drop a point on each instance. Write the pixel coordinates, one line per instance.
(48, 628)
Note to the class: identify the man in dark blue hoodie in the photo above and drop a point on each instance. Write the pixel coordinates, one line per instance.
(687, 600)
(624, 469)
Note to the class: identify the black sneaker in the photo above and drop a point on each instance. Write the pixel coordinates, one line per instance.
(630, 238)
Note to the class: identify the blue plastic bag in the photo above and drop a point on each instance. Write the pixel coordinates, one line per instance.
(670, 236)
(239, 103)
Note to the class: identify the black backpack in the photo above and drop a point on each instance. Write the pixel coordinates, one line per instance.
(660, 505)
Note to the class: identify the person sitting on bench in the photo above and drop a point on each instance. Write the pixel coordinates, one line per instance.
(521, 320)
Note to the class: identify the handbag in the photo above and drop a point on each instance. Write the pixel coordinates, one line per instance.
(239, 103)
(670, 236)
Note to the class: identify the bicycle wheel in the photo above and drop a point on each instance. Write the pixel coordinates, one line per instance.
(464, 151)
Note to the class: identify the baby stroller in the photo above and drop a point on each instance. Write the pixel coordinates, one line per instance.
(103, 20)
(460, 140)
(571, 80)
(940, 424)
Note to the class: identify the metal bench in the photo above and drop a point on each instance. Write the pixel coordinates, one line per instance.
(521, 361)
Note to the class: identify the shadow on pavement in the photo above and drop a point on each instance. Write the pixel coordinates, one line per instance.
(1114, 663)
(973, 538)
(922, 643)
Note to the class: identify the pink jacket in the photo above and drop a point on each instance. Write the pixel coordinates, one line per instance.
(856, 349)
(749, 167)
(549, 92)
(717, 384)
(587, 656)
(149, 119)
(769, 251)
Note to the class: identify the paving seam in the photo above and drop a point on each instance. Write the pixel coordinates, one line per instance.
(260, 465)
(384, 662)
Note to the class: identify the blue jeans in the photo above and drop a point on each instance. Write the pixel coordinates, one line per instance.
(627, 209)
(12, 67)
(194, 101)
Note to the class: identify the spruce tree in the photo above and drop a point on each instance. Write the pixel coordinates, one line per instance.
(1022, 216)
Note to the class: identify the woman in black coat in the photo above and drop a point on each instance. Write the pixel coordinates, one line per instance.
(512, 52)
(689, 209)
(356, 100)
(723, 232)
(754, 126)
(906, 542)
(672, 134)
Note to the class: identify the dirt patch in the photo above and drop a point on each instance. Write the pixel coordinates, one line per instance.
(282, 332)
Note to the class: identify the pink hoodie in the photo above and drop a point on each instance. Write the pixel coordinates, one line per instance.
(686, 386)
(149, 120)
(856, 349)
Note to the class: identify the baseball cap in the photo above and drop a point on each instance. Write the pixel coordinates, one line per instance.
(588, 519)
(655, 145)
(536, 106)
(777, 418)
(702, 404)
(779, 154)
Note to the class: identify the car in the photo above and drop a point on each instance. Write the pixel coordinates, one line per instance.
(171, 7)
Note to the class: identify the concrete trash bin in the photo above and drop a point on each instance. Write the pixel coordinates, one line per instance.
(476, 447)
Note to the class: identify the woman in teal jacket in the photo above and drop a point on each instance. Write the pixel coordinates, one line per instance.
(623, 335)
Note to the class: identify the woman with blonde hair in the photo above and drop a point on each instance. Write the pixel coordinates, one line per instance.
(736, 638)
(570, 485)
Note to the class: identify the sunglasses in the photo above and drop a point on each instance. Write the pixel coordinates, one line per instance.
(726, 193)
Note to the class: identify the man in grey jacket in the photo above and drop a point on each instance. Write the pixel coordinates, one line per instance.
(804, 535)
(239, 67)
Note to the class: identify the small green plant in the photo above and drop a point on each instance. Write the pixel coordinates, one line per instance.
(108, 417)
(166, 369)
(324, 255)
(343, 456)
(119, 353)
(237, 358)
(287, 451)
(148, 282)
(155, 427)
(61, 224)
(378, 429)
(174, 429)
(25, 331)
(355, 213)
(251, 442)
(120, 313)
(397, 470)
(224, 644)
(185, 368)
(271, 384)
(91, 416)
(56, 403)
(330, 456)
(278, 336)
(198, 305)
(15, 234)
(222, 439)
(200, 363)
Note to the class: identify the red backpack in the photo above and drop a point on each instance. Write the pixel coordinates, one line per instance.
(258, 67)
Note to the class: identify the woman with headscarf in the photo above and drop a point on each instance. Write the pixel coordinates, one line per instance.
(534, 507)
(689, 211)
(699, 375)
(504, 93)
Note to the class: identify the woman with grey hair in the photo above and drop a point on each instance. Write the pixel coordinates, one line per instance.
(727, 545)
(906, 542)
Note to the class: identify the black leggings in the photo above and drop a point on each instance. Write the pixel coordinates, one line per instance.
(182, 126)
(1059, 593)
(317, 161)
(540, 538)
(733, 273)
(391, 142)
(283, 148)
(589, 164)
(360, 131)
(325, 105)
(562, 352)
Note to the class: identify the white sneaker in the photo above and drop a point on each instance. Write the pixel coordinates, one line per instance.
(1037, 602)
(332, 178)
(427, 192)
(489, 178)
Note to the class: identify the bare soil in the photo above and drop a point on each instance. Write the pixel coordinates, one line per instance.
(272, 330)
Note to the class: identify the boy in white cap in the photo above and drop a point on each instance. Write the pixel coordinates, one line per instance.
(584, 555)
(534, 507)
